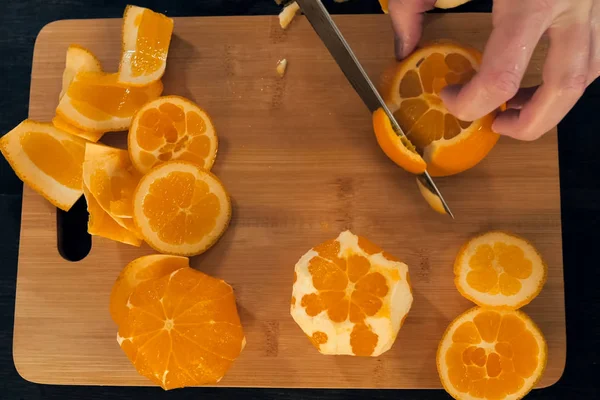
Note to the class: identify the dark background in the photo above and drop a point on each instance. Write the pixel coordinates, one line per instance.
(579, 143)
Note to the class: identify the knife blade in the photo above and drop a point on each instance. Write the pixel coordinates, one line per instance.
(334, 41)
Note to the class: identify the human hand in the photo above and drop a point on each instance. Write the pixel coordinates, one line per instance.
(572, 63)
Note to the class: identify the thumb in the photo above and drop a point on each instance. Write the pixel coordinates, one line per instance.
(407, 20)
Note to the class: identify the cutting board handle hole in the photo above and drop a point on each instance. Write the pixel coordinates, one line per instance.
(72, 239)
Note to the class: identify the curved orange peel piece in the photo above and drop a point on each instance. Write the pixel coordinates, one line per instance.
(395, 147)
(431, 198)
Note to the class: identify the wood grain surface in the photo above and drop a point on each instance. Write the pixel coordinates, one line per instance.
(301, 163)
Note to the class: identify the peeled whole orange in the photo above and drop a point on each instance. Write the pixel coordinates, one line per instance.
(350, 297)
(411, 91)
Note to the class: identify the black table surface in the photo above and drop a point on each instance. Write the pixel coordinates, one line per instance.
(579, 143)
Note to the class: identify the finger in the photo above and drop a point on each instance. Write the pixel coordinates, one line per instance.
(516, 33)
(407, 21)
(522, 97)
(565, 77)
(595, 43)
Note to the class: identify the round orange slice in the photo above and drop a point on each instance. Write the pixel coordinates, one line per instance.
(491, 354)
(181, 209)
(140, 270)
(182, 329)
(499, 269)
(47, 159)
(172, 128)
(97, 102)
(448, 145)
(146, 39)
(350, 297)
(78, 59)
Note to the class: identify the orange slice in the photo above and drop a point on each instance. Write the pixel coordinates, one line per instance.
(431, 198)
(95, 102)
(100, 223)
(181, 209)
(499, 269)
(397, 148)
(63, 125)
(182, 329)
(140, 270)
(146, 39)
(78, 59)
(491, 355)
(111, 178)
(448, 145)
(47, 159)
(350, 297)
(172, 128)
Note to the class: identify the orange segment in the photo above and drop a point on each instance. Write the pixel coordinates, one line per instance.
(181, 209)
(111, 179)
(146, 39)
(64, 126)
(397, 149)
(140, 270)
(172, 128)
(352, 296)
(78, 59)
(100, 223)
(499, 269)
(491, 354)
(47, 159)
(448, 145)
(96, 101)
(182, 329)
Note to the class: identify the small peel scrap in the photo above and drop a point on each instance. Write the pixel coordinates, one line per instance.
(288, 14)
(400, 150)
(281, 67)
(431, 198)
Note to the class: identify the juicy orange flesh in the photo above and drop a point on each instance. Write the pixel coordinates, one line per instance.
(62, 160)
(132, 276)
(183, 328)
(498, 269)
(349, 288)
(115, 192)
(422, 114)
(491, 356)
(174, 134)
(180, 208)
(152, 43)
(98, 96)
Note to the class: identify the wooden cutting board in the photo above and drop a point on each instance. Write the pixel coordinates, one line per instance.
(300, 160)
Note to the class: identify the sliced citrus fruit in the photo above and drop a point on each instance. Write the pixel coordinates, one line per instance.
(182, 329)
(63, 125)
(449, 3)
(181, 209)
(431, 198)
(384, 5)
(146, 39)
(172, 128)
(100, 223)
(47, 159)
(448, 145)
(499, 269)
(95, 102)
(492, 355)
(397, 148)
(111, 178)
(78, 59)
(140, 270)
(287, 15)
(350, 297)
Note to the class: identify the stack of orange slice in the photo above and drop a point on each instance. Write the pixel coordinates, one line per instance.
(494, 351)
(178, 326)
